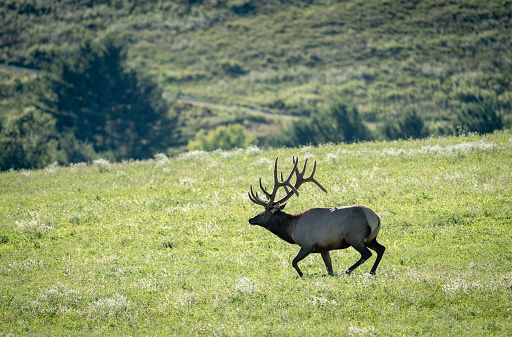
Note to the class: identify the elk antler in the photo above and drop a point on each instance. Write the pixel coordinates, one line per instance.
(269, 204)
(300, 180)
(271, 196)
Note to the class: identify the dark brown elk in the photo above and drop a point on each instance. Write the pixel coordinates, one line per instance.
(318, 230)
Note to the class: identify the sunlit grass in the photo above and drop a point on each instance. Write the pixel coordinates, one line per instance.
(163, 246)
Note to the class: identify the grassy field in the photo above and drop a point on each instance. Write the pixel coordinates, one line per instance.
(163, 247)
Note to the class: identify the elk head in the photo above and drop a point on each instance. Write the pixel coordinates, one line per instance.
(273, 208)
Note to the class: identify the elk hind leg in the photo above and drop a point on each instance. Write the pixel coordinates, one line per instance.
(379, 249)
(365, 255)
(327, 260)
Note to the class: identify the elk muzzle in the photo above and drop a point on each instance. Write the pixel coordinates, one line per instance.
(254, 219)
(260, 219)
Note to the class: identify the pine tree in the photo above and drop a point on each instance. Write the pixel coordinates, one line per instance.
(103, 102)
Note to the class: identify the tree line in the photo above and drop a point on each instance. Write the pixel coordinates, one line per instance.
(89, 104)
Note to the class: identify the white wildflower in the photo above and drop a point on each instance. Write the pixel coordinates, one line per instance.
(265, 161)
(192, 155)
(245, 285)
(102, 164)
(252, 149)
(113, 306)
(52, 168)
(161, 159)
(75, 166)
(318, 300)
(120, 173)
(27, 174)
(357, 331)
(332, 157)
(33, 225)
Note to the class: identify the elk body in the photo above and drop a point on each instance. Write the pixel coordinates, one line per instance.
(318, 230)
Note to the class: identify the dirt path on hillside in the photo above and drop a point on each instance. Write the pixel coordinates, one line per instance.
(191, 99)
(186, 98)
(20, 70)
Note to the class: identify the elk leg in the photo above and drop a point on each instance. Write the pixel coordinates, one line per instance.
(327, 260)
(365, 255)
(379, 249)
(302, 254)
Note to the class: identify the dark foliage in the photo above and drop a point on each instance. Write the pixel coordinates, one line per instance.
(336, 124)
(29, 140)
(409, 125)
(116, 109)
(480, 115)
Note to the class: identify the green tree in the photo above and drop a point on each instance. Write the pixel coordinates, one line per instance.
(338, 123)
(409, 125)
(223, 137)
(480, 116)
(29, 140)
(94, 95)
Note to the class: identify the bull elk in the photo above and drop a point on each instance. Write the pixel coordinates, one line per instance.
(318, 230)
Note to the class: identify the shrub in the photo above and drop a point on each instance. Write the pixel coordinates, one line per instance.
(480, 116)
(29, 140)
(242, 7)
(233, 68)
(409, 125)
(223, 137)
(76, 150)
(102, 164)
(338, 123)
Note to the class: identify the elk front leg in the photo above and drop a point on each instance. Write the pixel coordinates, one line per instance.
(302, 254)
(327, 260)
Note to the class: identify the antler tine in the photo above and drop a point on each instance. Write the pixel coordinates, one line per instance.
(301, 174)
(315, 181)
(310, 178)
(255, 198)
(283, 183)
(285, 188)
(287, 182)
(264, 190)
(300, 180)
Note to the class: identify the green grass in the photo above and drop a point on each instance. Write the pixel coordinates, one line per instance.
(163, 247)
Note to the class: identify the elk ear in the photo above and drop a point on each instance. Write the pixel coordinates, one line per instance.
(282, 207)
(276, 208)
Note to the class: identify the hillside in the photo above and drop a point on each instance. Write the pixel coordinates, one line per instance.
(163, 247)
(289, 57)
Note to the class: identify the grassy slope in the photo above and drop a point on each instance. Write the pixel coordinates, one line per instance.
(385, 56)
(158, 247)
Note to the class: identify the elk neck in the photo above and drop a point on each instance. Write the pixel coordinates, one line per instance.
(281, 224)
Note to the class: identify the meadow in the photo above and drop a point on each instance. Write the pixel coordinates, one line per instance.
(163, 246)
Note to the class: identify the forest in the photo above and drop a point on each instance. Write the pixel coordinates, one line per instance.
(107, 78)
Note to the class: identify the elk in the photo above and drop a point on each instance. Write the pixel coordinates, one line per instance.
(318, 230)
